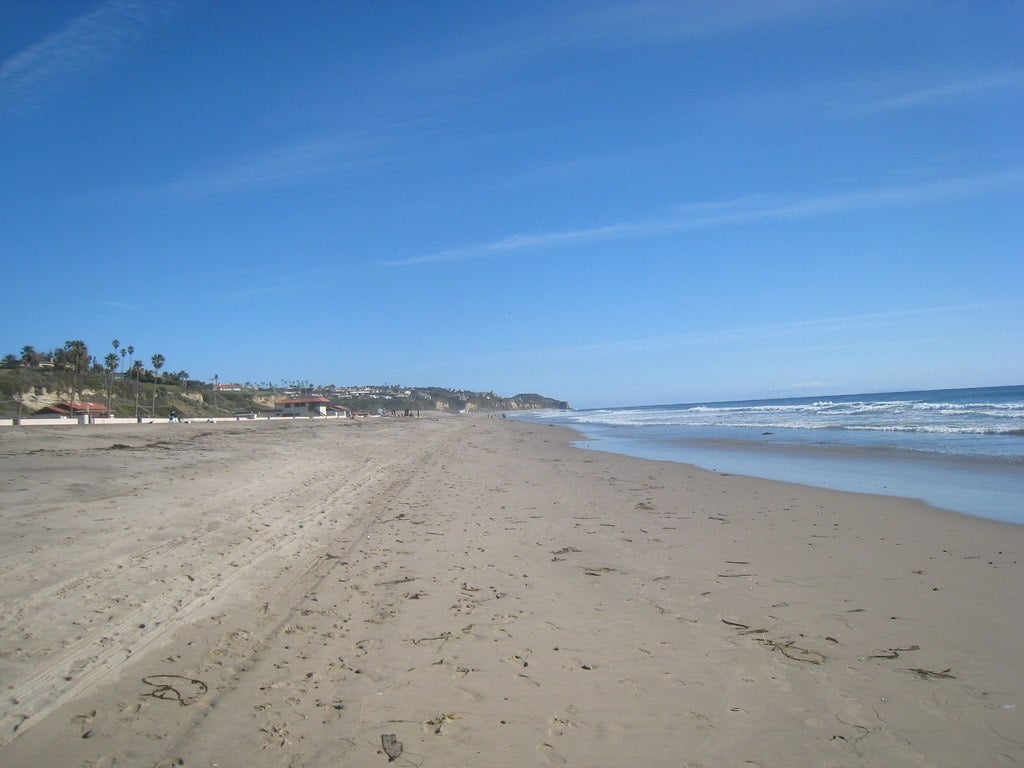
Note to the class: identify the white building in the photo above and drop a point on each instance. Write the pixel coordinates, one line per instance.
(302, 406)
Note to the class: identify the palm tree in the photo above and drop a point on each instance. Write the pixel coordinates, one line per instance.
(116, 344)
(76, 358)
(137, 370)
(110, 364)
(158, 363)
(29, 357)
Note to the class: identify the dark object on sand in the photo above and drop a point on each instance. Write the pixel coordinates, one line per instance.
(392, 746)
(184, 690)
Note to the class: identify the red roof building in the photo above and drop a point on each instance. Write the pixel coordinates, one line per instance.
(75, 408)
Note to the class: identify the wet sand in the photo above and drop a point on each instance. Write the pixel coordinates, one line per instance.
(285, 594)
(982, 486)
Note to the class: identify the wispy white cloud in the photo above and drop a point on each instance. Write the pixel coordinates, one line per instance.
(514, 243)
(654, 20)
(272, 167)
(83, 45)
(860, 331)
(620, 25)
(928, 192)
(119, 305)
(723, 213)
(772, 330)
(300, 161)
(305, 281)
(938, 94)
(876, 326)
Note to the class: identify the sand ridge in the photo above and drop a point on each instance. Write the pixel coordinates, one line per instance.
(290, 594)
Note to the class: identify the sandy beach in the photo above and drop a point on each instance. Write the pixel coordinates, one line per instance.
(287, 594)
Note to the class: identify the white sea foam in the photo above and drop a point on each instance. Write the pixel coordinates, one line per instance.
(915, 412)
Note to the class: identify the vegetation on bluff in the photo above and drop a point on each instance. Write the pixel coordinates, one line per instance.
(123, 384)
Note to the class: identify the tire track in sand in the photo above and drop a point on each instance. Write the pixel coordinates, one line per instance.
(101, 651)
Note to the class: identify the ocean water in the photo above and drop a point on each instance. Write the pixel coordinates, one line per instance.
(957, 449)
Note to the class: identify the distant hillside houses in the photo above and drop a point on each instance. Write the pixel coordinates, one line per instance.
(373, 393)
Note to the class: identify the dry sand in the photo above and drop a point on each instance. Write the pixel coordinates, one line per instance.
(284, 594)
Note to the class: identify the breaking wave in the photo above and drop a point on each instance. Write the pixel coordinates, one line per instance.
(918, 414)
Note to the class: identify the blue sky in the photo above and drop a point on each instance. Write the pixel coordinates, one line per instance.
(607, 202)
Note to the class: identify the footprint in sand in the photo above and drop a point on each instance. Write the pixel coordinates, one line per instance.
(520, 659)
(549, 754)
(274, 735)
(633, 687)
(363, 647)
(84, 719)
(473, 695)
(527, 680)
(128, 710)
(701, 722)
(563, 720)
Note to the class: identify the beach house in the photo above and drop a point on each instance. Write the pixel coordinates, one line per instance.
(302, 406)
(75, 408)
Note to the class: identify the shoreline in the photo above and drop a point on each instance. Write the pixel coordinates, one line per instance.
(489, 594)
(981, 487)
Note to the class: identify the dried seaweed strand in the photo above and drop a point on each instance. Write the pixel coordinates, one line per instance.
(787, 648)
(928, 674)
